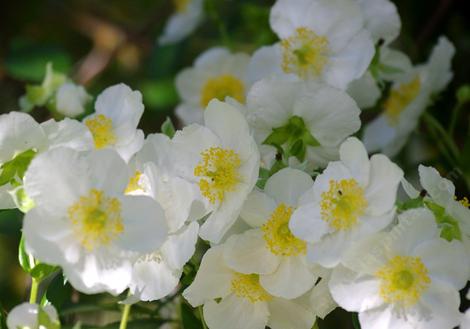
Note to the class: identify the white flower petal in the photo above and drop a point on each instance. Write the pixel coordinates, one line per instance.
(289, 314)
(287, 185)
(353, 291)
(68, 133)
(440, 189)
(179, 247)
(145, 228)
(306, 223)
(292, 279)
(213, 279)
(247, 253)
(236, 313)
(257, 208)
(108, 171)
(354, 156)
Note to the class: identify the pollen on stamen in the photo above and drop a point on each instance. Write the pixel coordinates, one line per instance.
(101, 128)
(134, 183)
(223, 86)
(277, 235)
(219, 173)
(248, 286)
(305, 53)
(399, 98)
(343, 204)
(403, 280)
(96, 219)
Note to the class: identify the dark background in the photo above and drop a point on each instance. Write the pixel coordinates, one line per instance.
(100, 43)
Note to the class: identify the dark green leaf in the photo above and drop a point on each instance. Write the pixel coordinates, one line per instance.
(168, 128)
(58, 292)
(188, 319)
(41, 270)
(26, 262)
(355, 321)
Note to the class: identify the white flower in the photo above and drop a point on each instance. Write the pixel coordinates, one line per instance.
(320, 39)
(381, 19)
(21, 138)
(222, 159)
(155, 275)
(155, 173)
(71, 99)
(315, 115)
(409, 97)
(390, 67)
(269, 248)
(83, 221)
(188, 15)
(452, 216)
(216, 73)
(351, 199)
(244, 303)
(405, 279)
(118, 110)
(33, 316)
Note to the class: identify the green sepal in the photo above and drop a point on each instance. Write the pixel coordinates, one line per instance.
(168, 128)
(411, 204)
(44, 321)
(25, 260)
(42, 270)
(449, 226)
(16, 167)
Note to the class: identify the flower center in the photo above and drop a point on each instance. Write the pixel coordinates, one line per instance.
(96, 219)
(277, 235)
(219, 172)
(101, 127)
(181, 6)
(343, 204)
(305, 53)
(464, 202)
(222, 86)
(134, 183)
(400, 98)
(403, 280)
(248, 286)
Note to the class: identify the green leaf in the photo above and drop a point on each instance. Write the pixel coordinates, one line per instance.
(450, 228)
(16, 167)
(58, 291)
(159, 95)
(168, 128)
(27, 59)
(26, 261)
(41, 270)
(188, 319)
(44, 321)
(355, 321)
(411, 204)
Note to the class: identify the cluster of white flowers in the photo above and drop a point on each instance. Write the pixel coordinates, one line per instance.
(299, 218)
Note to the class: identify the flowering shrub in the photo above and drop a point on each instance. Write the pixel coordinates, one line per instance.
(275, 204)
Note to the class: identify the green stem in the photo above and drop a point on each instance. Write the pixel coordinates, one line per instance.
(34, 291)
(125, 316)
(204, 325)
(453, 120)
(434, 124)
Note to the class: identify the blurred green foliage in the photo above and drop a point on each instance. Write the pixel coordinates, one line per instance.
(122, 35)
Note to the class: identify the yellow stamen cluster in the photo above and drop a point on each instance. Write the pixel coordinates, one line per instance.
(96, 219)
(134, 183)
(101, 127)
(279, 239)
(219, 172)
(399, 98)
(465, 202)
(343, 204)
(181, 6)
(403, 280)
(248, 286)
(305, 53)
(222, 86)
